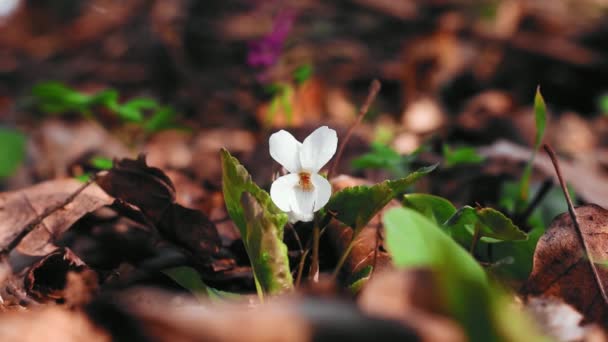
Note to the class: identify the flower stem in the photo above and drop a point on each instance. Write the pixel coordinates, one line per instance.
(301, 267)
(476, 237)
(314, 267)
(345, 255)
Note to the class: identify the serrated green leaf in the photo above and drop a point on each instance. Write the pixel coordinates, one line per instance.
(356, 206)
(433, 207)
(493, 225)
(496, 225)
(12, 150)
(260, 223)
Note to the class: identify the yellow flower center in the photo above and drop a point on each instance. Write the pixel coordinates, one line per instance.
(305, 183)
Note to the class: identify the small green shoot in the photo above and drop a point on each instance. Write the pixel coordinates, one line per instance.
(540, 115)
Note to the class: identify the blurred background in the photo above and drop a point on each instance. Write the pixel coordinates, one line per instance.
(178, 79)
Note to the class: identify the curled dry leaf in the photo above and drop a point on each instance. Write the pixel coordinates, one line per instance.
(411, 297)
(18, 208)
(59, 275)
(150, 190)
(562, 269)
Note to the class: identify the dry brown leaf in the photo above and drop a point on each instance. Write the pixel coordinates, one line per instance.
(150, 190)
(411, 297)
(171, 318)
(562, 269)
(18, 208)
(50, 324)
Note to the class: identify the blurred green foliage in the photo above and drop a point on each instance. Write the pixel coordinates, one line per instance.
(56, 98)
(12, 151)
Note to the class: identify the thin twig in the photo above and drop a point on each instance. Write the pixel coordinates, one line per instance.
(574, 218)
(374, 88)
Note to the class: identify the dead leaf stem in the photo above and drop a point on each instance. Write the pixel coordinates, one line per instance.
(374, 88)
(575, 221)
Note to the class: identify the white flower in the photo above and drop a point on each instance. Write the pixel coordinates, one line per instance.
(303, 191)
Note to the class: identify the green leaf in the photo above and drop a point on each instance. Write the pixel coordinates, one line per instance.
(413, 241)
(491, 224)
(260, 223)
(188, 278)
(496, 225)
(359, 279)
(132, 110)
(460, 155)
(356, 206)
(540, 115)
(483, 311)
(12, 150)
(55, 97)
(162, 119)
(435, 208)
(520, 255)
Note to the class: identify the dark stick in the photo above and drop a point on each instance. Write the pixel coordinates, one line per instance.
(574, 218)
(374, 88)
(538, 197)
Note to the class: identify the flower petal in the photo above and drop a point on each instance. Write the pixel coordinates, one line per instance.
(322, 191)
(285, 149)
(304, 201)
(318, 148)
(295, 217)
(282, 191)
